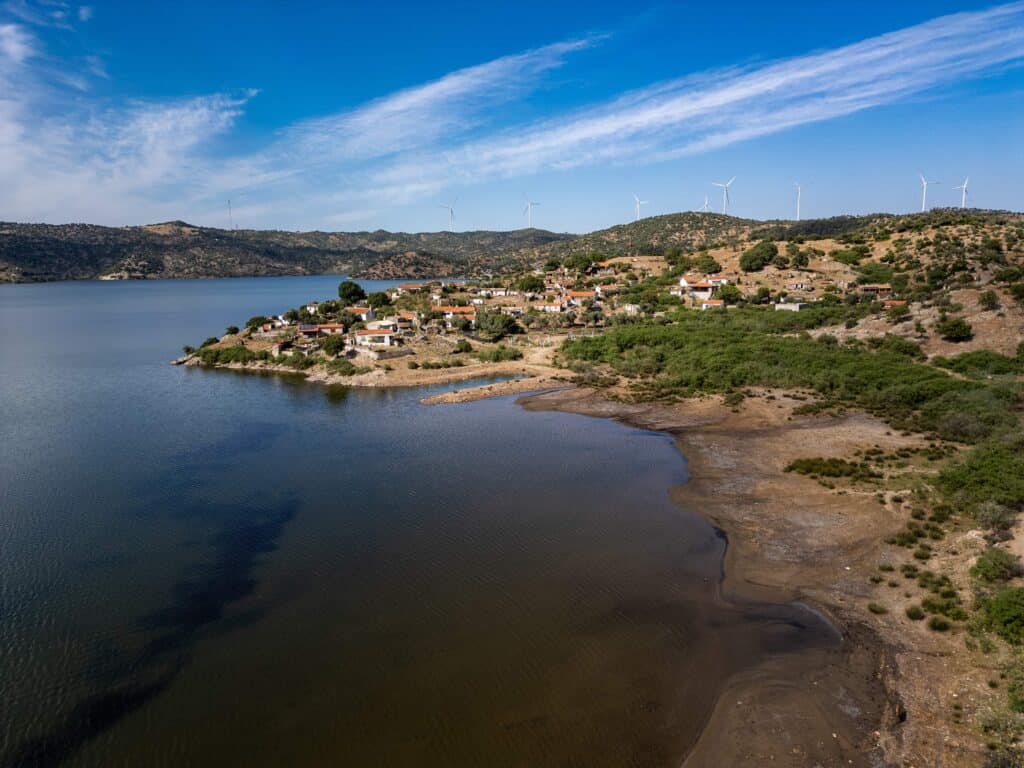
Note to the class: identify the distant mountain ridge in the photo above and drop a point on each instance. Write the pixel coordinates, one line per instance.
(176, 249)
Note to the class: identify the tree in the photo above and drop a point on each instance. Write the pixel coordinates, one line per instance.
(757, 257)
(706, 263)
(799, 259)
(378, 300)
(898, 313)
(730, 294)
(463, 346)
(350, 292)
(955, 329)
(231, 330)
(781, 261)
(530, 284)
(495, 325)
(581, 262)
(333, 345)
(989, 300)
(255, 322)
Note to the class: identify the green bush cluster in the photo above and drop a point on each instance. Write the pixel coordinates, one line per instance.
(698, 354)
(499, 354)
(833, 468)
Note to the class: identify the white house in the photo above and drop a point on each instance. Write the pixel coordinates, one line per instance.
(712, 304)
(387, 324)
(789, 306)
(368, 337)
(451, 313)
(553, 308)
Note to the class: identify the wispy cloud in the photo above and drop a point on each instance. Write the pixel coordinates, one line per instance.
(697, 114)
(16, 45)
(144, 160)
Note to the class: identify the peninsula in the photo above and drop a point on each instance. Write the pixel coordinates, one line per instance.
(865, 374)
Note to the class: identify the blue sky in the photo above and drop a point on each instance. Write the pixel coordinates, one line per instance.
(375, 114)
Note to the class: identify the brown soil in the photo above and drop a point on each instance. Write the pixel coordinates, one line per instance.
(885, 696)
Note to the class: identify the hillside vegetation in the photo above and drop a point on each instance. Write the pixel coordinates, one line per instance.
(42, 252)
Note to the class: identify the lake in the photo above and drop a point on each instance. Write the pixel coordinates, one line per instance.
(212, 568)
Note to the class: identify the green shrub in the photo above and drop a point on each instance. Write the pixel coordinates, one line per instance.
(832, 468)
(876, 608)
(343, 367)
(499, 354)
(463, 346)
(996, 565)
(989, 300)
(939, 624)
(955, 329)
(1005, 614)
(915, 612)
(759, 256)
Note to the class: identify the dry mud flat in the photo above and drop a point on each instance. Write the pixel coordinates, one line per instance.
(877, 698)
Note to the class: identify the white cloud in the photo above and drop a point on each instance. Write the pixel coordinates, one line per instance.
(85, 12)
(16, 44)
(143, 161)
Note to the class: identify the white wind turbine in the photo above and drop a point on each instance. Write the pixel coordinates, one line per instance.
(528, 211)
(963, 195)
(707, 205)
(924, 192)
(799, 189)
(639, 202)
(725, 192)
(451, 214)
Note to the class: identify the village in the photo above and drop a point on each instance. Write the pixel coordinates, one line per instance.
(482, 326)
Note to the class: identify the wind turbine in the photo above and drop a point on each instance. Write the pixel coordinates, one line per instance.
(799, 189)
(451, 214)
(639, 202)
(924, 192)
(528, 211)
(725, 192)
(963, 196)
(707, 205)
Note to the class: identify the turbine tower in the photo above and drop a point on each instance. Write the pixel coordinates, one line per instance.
(963, 195)
(707, 205)
(924, 192)
(231, 217)
(451, 214)
(799, 189)
(528, 212)
(639, 202)
(725, 192)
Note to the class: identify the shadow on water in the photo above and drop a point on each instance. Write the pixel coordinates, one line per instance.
(199, 601)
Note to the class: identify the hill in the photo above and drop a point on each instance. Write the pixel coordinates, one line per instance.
(44, 252)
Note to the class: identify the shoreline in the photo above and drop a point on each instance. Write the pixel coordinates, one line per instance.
(882, 697)
(877, 698)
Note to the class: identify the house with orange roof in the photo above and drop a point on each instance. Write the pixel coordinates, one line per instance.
(363, 313)
(712, 304)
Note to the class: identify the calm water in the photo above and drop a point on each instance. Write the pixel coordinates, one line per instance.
(206, 568)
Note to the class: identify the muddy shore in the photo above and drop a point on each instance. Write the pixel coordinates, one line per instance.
(881, 696)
